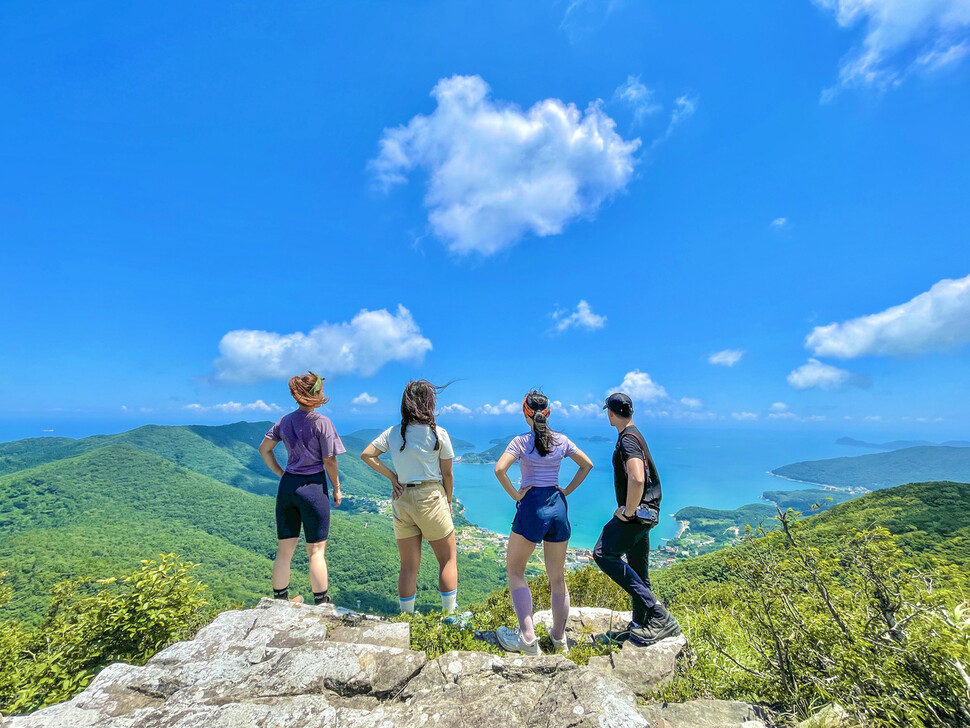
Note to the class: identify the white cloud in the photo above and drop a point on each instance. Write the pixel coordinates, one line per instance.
(640, 387)
(369, 341)
(936, 320)
(779, 407)
(872, 418)
(582, 317)
(779, 223)
(816, 374)
(236, 407)
(586, 15)
(497, 173)
(454, 409)
(900, 36)
(364, 399)
(744, 416)
(505, 407)
(588, 409)
(691, 402)
(726, 358)
(638, 97)
(783, 416)
(684, 108)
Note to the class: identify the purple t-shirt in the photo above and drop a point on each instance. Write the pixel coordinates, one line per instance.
(537, 470)
(309, 438)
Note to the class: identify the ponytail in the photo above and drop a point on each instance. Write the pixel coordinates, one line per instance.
(535, 406)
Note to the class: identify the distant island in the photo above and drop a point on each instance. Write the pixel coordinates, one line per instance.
(897, 444)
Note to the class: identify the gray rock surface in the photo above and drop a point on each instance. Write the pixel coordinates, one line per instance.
(705, 714)
(584, 622)
(643, 669)
(284, 664)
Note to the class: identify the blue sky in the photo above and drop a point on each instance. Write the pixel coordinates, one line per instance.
(198, 200)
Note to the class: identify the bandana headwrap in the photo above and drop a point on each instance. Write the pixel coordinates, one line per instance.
(529, 412)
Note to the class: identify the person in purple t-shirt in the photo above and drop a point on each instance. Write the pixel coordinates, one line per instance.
(312, 447)
(540, 515)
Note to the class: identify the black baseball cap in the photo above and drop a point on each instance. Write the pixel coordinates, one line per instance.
(619, 404)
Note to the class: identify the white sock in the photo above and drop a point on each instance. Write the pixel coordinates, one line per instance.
(407, 603)
(449, 600)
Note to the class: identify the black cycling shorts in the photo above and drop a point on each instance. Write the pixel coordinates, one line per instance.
(303, 500)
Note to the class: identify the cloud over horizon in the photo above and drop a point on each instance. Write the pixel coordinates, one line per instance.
(361, 346)
(640, 387)
(937, 320)
(814, 374)
(235, 407)
(497, 173)
(582, 318)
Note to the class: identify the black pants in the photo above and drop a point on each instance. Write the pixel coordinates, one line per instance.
(631, 540)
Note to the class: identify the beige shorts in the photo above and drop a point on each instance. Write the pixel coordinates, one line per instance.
(422, 510)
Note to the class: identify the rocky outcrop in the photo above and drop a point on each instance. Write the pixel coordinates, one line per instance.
(705, 714)
(284, 664)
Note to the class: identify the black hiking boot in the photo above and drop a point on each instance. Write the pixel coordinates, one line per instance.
(617, 636)
(660, 626)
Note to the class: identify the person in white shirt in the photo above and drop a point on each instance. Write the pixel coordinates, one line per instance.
(422, 488)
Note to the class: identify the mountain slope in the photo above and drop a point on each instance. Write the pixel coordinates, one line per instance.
(884, 470)
(105, 509)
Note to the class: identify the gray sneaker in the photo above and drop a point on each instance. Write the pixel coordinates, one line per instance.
(511, 641)
(560, 645)
(658, 628)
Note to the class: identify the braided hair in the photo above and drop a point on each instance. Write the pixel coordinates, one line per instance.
(536, 407)
(417, 406)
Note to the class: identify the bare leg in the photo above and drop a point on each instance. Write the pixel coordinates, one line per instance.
(319, 578)
(447, 554)
(554, 554)
(410, 551)
(281, 566)
(520, 550)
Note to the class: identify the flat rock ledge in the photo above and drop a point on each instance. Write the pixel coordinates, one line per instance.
(283, 664)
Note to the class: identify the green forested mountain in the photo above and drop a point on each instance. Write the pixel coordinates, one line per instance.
(885, 469)
(96, 506)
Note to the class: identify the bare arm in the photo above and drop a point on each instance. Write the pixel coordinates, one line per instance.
(502, 473)
(330, 465)
(585, 465)
(269, 457)
(372, 457)
(634, 486)
(448, 478)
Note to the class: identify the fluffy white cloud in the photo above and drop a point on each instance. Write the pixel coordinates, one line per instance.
(236, 407)
(783, 416)
(502, 408)
(583, 317)
(936, 320)
(640, 387)
(816, 374)
(901, 36)
(454, 409)
(779, 223)
(744, 416)
(726, 358)
(779, 407)
(364, 399)
(638, 97)
(369, 341)
(691, 402)
(589, 409)
(497, 173)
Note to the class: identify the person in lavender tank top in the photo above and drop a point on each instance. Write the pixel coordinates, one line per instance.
(312, 445)
(540, 515)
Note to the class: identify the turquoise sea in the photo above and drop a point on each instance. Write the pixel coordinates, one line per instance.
(711, 468)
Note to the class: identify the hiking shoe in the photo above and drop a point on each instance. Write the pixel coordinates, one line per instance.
(325, 599)
(657, 628)
(560, 645)
(617, 636)
(511, 641)
(298, 599)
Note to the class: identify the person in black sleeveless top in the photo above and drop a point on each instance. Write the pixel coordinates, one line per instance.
(627, 534)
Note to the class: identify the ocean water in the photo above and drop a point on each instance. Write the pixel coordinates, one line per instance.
(710, 468)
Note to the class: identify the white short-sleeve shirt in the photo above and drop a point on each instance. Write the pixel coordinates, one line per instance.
(419, 460)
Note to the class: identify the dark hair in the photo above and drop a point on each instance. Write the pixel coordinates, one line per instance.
(417, 405)
(545, 439)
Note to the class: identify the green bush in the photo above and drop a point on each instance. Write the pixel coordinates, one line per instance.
(93, 623)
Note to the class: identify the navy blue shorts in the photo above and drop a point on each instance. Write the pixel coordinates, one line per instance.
(542, 515)
(303, 500)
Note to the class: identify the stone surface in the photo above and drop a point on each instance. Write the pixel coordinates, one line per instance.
(832, 715)
(284, 664)
(643, 669)
(584, 622)
(705, 714)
